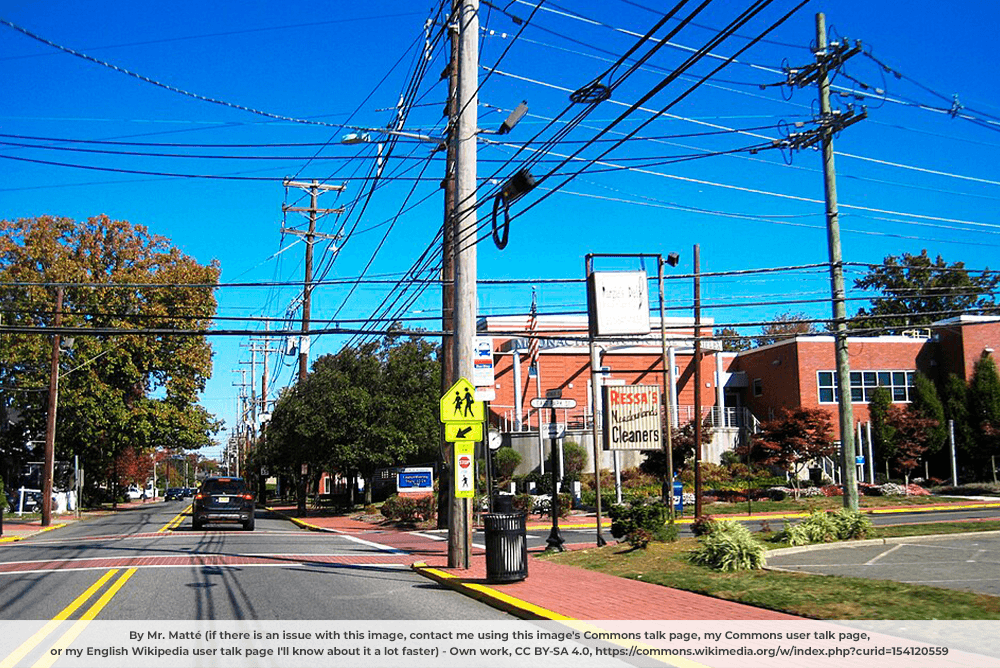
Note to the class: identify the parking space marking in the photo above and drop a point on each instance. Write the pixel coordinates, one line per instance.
(883, 554)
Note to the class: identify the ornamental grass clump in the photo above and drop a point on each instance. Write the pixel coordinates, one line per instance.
(819, 527)
(852, 524)
(824, 527)
(729, 547)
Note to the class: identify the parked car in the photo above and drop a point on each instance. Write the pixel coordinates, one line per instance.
(133, 493)
(32, 501)
(223, 500)
(174, 494)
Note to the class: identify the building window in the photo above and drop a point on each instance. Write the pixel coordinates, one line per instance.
(863, 383)
(758, 387)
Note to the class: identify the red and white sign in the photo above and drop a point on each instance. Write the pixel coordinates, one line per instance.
(632, 419)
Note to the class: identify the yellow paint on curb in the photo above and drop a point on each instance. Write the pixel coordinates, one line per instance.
(526, 610)
(12, 539)
(497, 599)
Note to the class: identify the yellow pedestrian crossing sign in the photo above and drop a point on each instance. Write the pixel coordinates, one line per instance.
(459, 404)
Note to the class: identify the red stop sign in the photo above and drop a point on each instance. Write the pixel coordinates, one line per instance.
(465, 461)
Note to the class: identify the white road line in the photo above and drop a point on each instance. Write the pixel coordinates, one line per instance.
(377, 546)
(290, 564)
(883, 554)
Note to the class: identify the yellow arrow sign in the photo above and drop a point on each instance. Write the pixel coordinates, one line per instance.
(459, 404)
(463, 431)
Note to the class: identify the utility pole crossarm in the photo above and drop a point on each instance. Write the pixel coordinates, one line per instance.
(312, 184)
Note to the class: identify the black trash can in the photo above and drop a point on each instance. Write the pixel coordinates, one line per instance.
(506, 543)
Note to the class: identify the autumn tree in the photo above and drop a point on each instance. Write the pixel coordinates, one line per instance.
(914, 291)
(126, 381)
(913, 434)
(791, 440)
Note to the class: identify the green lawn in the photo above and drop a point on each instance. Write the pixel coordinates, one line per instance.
(815, 596)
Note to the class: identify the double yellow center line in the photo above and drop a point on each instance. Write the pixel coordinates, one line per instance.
(176, 521)
(56, 650)
(70, 635)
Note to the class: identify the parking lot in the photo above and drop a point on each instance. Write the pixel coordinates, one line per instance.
(970, 562)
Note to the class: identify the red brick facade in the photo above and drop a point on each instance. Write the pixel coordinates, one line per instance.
(792, 373)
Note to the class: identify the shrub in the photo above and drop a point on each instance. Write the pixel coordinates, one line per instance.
(704, 525)
(823, 527)
(505, 462)
(819, 527)
(970, 489)
(730, 547)
(639, 523)
(852, 524)
(409, 508)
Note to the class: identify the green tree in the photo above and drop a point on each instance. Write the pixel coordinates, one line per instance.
(360, 410)
(683, 442)
(916, 291)
(733, 341)
(883, 433)
(984, 411)
(122, 386)
(785, 326)
(927, 404)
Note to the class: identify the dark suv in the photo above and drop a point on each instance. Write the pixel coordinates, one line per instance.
(223, 500)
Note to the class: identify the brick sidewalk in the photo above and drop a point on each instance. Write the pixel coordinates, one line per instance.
(551, 591)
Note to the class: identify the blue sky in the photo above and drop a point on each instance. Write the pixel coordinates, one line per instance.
(910, 176)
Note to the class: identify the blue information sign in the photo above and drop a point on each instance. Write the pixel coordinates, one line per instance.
(415, 480)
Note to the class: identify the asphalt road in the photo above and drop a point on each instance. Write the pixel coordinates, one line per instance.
(276, 572)
(967, 563)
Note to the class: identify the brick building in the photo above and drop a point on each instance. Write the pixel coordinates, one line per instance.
(739, 389)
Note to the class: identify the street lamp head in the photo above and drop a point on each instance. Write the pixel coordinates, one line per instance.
(673, 259)
(355, 138)
(515, 116)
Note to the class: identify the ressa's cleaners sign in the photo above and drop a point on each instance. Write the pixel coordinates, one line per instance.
(632, 417)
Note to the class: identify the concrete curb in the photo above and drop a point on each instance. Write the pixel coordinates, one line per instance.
(876, 541)
(14, 539)
(488, 595)
(301, 523)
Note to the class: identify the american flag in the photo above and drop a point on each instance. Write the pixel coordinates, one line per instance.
(532, 326)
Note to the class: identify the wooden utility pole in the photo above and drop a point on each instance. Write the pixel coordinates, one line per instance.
(464, 244)
(447, 265)
(848, 476)
(50, 423)
(668, 443)
(697, 381)
(314, 188)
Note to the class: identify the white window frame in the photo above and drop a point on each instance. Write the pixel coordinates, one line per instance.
(864, 381)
